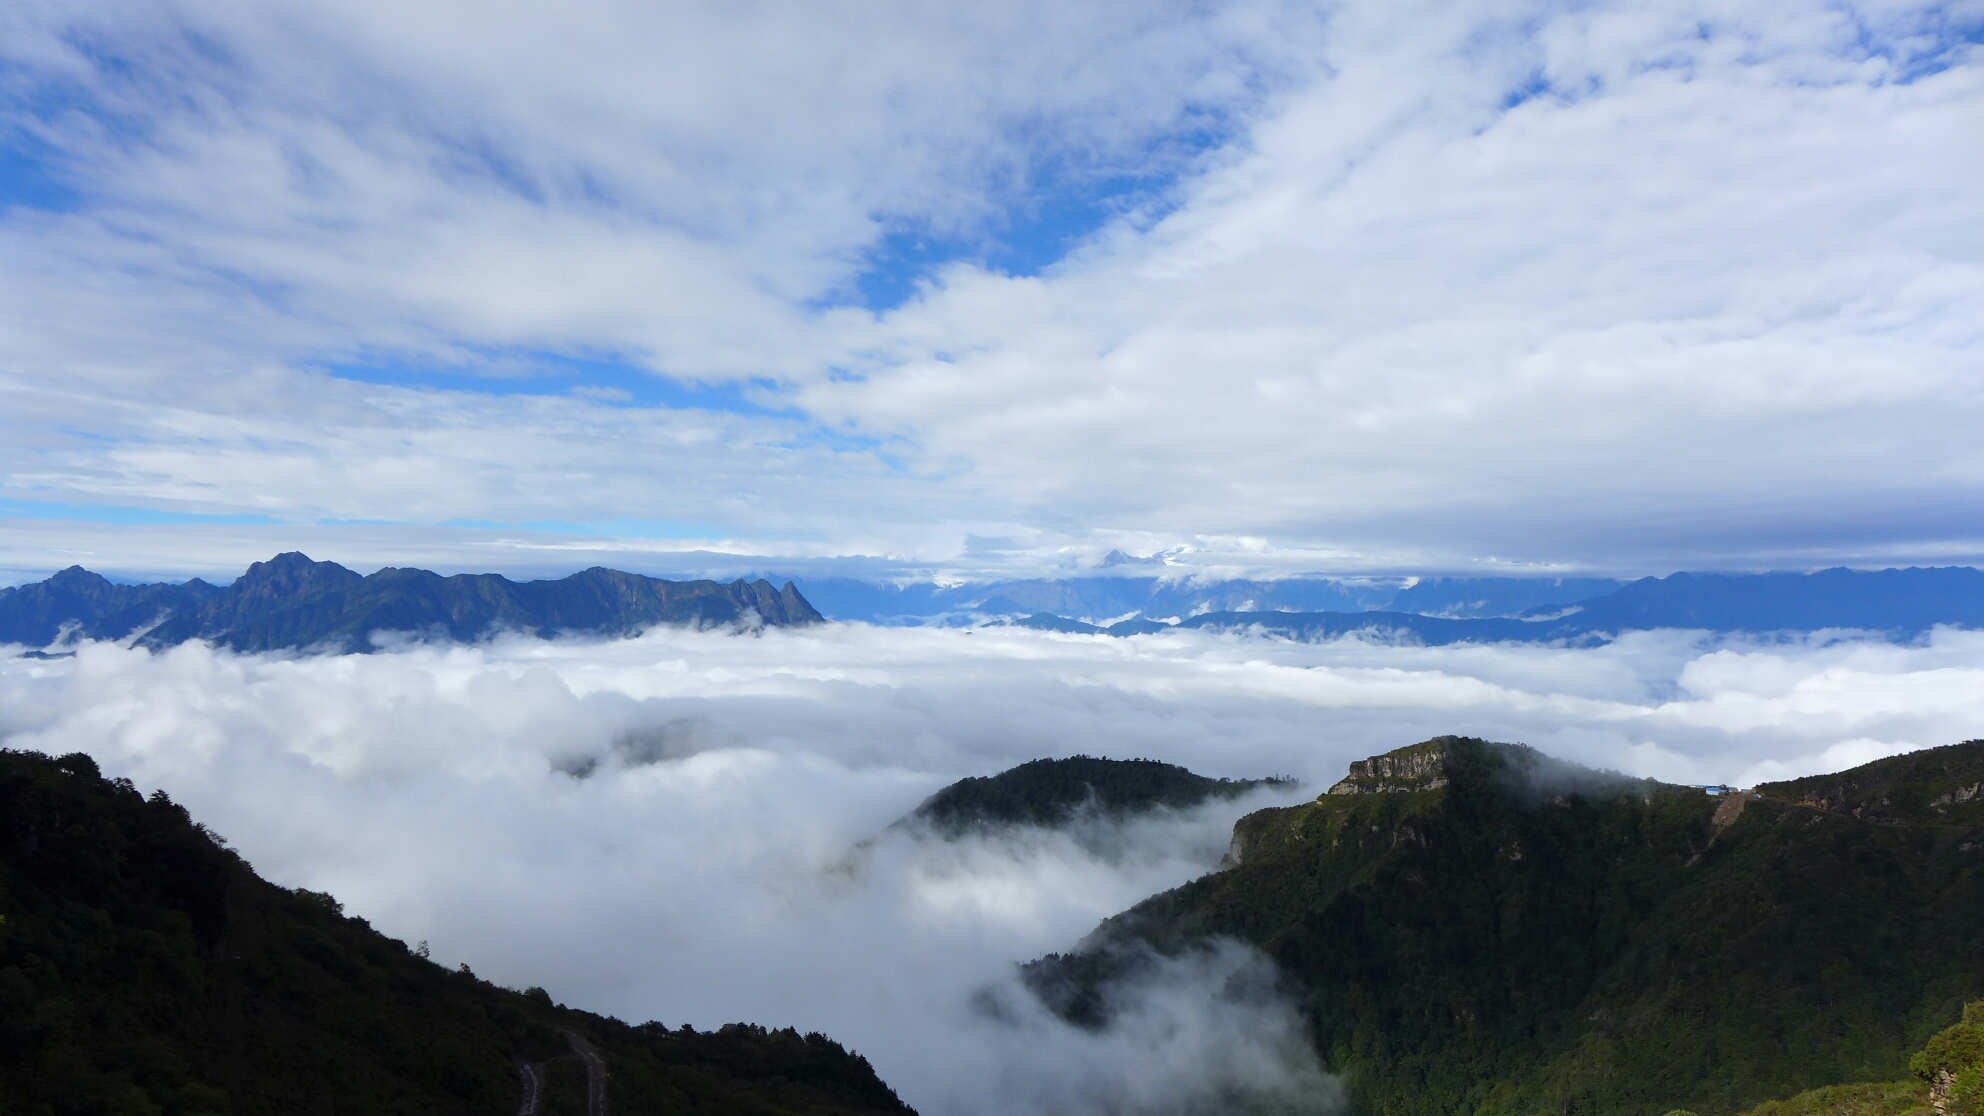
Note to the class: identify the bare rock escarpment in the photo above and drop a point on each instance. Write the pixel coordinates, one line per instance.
(1420, 767)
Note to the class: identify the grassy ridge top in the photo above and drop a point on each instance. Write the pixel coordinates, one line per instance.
(1932, 787)
(1537, 937)
(146, 970)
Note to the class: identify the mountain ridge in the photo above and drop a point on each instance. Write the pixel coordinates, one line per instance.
(1895, 602)
(292, 602)
(1500, 932)
(146, 970)
(1096, 598)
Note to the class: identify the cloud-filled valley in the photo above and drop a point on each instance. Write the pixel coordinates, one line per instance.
(666, 827)
(1458, 320)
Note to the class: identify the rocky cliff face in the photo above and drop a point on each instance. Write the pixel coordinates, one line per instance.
(1421, 767)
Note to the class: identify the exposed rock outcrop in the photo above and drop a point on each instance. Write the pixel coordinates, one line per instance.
(1421, 767)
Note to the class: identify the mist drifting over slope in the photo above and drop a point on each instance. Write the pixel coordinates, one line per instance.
(661, 827)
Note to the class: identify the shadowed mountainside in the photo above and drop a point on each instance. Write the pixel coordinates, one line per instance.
(1476, 927)
(291, 601)
(1948, 1080)
(146, 970)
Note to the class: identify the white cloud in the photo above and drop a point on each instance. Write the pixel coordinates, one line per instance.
(672, 180)
(1686, 294)
(1708, 296)
(700, 872)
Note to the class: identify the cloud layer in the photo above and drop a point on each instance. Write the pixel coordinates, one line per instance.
(701, 871)
(1632, 285)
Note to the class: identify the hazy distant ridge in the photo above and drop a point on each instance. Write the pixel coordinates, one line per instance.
(1098, 599)
(291, 601)
(1902, 603)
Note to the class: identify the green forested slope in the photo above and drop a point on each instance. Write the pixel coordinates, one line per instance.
(145, 969)
(1948, 1080)
(1527, 936)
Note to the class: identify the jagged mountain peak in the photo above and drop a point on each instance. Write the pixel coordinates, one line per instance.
(295, 601)
(292, 570)
(77, 581)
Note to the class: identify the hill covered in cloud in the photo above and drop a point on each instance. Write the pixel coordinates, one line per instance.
(1057, 792)
(291, 601)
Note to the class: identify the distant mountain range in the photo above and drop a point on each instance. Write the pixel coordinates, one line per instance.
(1902, 603)
(1098, 600)
(291, 601)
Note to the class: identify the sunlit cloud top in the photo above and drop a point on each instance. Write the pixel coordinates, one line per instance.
(1624, 287)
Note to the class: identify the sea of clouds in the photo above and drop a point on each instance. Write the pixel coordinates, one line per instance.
(671, 827)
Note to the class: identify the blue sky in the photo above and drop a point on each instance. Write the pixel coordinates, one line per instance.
(31, 179)
(1054, 213)
(1450, 287)
(606, 378)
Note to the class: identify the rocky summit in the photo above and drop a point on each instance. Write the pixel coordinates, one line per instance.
(1420, 767)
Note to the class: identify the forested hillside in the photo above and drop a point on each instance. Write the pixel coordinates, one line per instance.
(1474, 927)
(145, 970)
